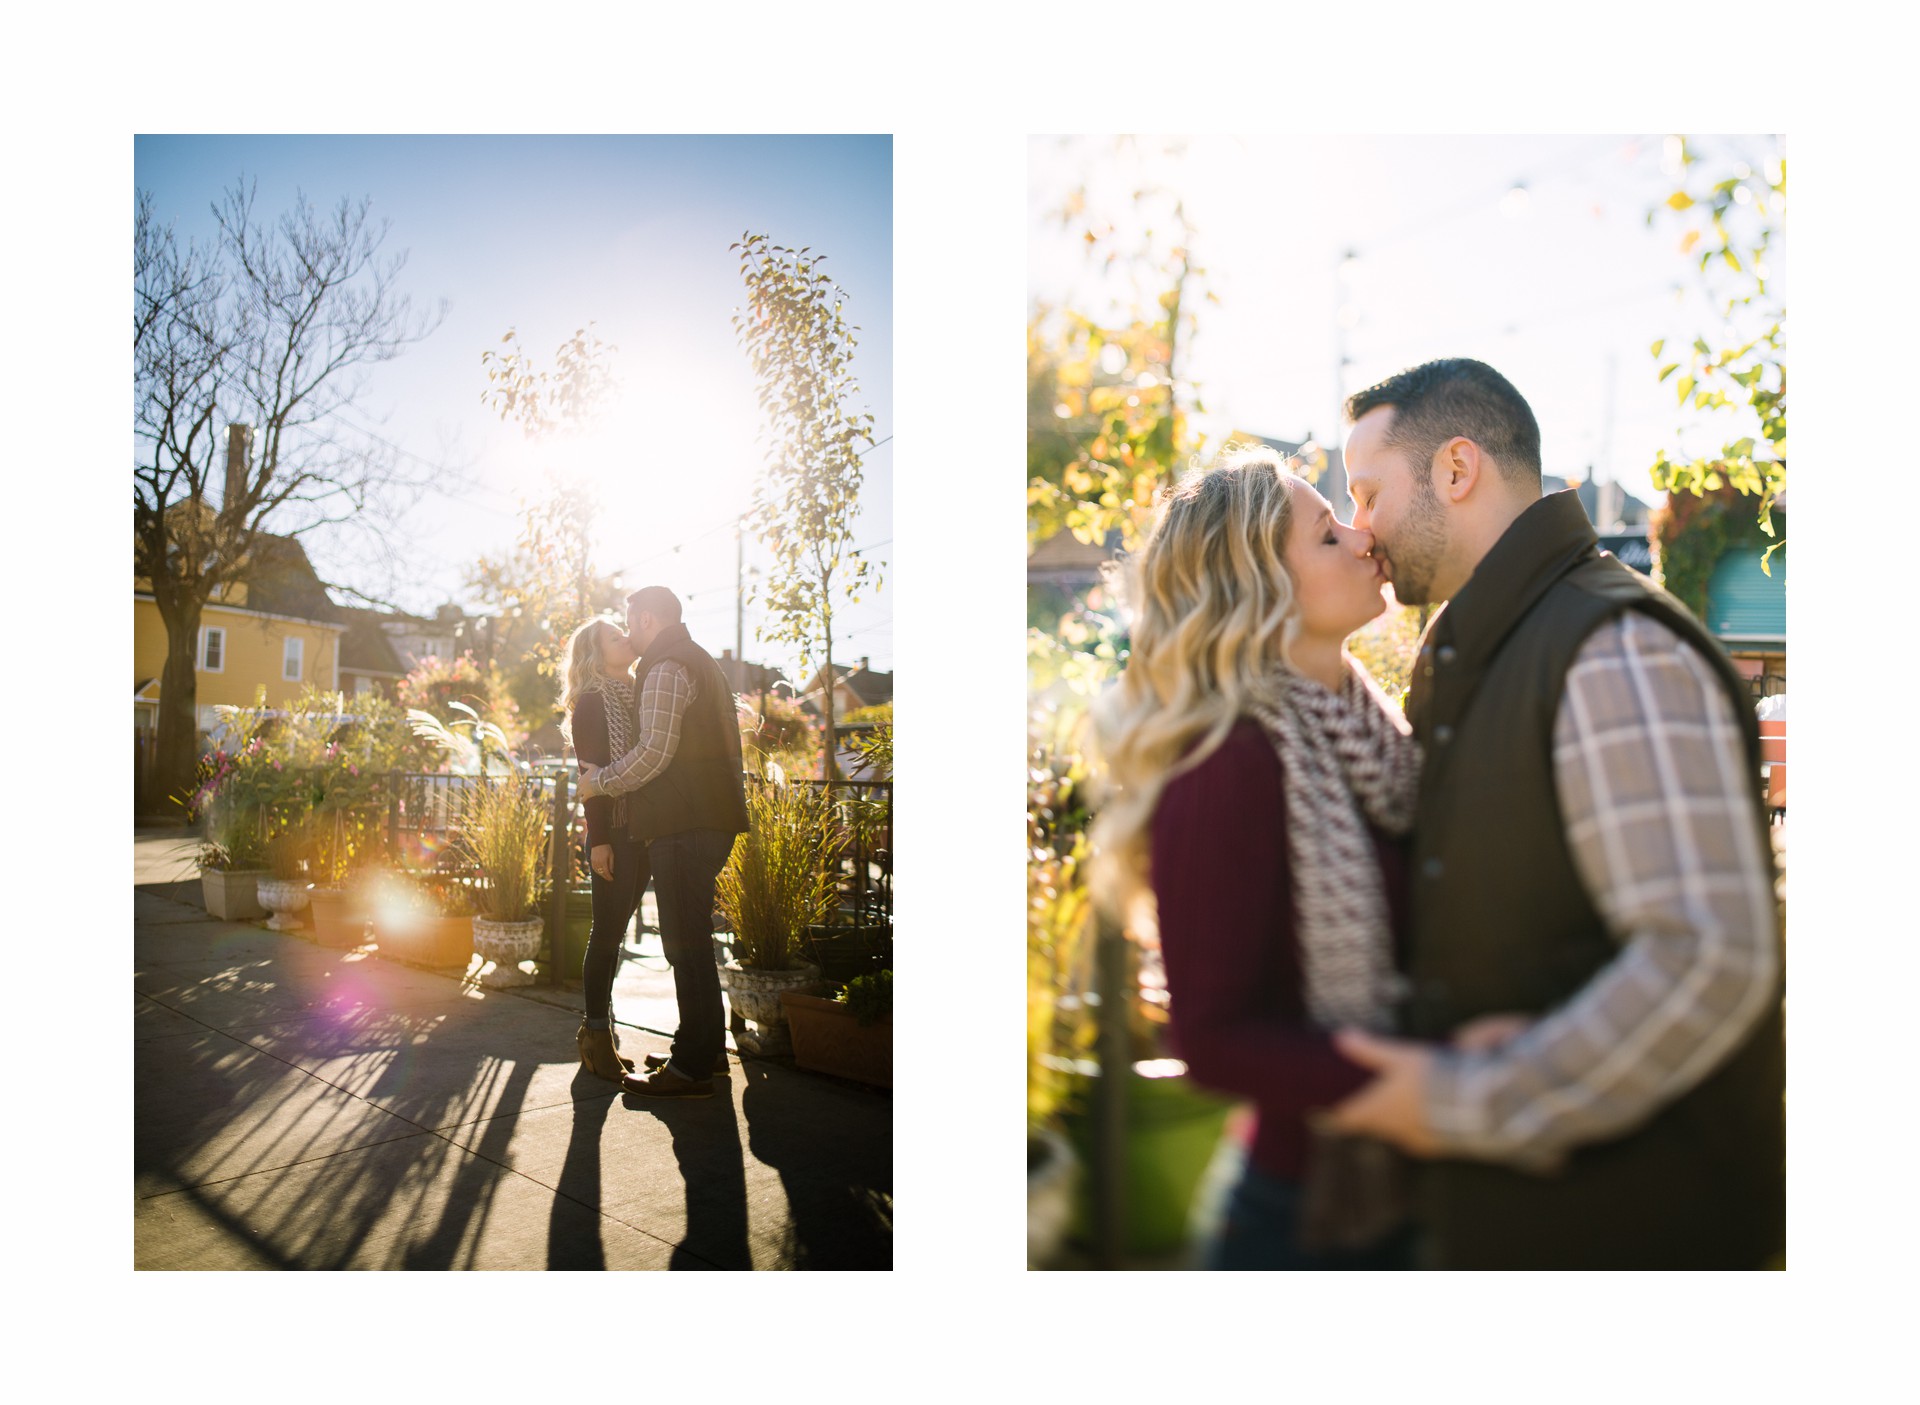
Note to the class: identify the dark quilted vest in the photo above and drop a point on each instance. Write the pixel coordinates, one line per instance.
(701, 788)
(1501, 922)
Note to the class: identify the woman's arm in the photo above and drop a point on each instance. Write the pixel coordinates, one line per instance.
(590, 745)
(1221, 878)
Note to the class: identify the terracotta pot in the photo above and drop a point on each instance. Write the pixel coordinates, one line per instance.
(828, 1038)
(231, 893)
(339, 920)
(283, 898)
(506, 945)
(425, 939)
(1773, 740)
(755, 996)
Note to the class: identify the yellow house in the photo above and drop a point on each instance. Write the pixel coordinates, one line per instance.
(275, 629)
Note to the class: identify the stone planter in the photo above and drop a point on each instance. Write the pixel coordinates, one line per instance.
(755, 996)
(283, 898)
(506, 945)
(828, 1038)
(232, 894)
(339, 920)
(1052, 1172)
(423, 939)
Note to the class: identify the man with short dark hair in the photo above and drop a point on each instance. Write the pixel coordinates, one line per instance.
(1594, 970)
(687, 801)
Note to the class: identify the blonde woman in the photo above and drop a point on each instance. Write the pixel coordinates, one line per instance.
(602, 720)
(1259, 779)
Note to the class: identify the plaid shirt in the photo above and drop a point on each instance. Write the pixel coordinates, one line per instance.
(1658, 801)
(663, 702)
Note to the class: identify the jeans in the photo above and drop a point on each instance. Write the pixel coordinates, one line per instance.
(1255, 1225)
(685, 866)
(614, 902)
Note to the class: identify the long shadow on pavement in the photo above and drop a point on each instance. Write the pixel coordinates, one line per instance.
(839, 1188)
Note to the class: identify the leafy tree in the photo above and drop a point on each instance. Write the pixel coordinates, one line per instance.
(1732, 215)
(545, 585)
(1108, 428)
(247, 353)
(796, 336)
(540, 590)
(561, 401)
(1108, 413)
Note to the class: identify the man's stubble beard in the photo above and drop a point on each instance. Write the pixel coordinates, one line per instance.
(1418, 546)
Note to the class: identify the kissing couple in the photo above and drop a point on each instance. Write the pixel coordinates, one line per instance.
(651, 717)
(1502, 977)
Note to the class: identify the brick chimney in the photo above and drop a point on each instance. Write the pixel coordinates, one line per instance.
(864, 659)
(239, 451)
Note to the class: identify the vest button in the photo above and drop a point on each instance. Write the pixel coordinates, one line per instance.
(1431, 868)
(1443, 734)
(1448, 653)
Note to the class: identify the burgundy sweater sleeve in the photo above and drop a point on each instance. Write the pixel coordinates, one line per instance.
(1221, 879)
(590, 745)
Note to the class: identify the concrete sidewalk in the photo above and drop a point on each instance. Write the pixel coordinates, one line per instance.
(297, 1107)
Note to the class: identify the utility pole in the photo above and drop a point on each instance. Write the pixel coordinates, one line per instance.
(1343, 271)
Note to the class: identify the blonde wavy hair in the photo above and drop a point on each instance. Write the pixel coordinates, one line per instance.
(1213, 610)
(583, 666)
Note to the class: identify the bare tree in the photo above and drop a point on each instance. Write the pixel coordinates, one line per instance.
(250, 357)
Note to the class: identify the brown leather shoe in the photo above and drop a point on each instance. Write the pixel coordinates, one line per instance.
(720, 1066)
(663, 1083)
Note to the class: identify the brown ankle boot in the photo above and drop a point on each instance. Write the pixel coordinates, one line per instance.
(597, 1053)
(625, 1062)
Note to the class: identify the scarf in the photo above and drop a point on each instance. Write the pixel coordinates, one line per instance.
(623, 720)
(1343, 754)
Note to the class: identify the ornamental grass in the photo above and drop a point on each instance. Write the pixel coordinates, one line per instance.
(503, 827)
(777, 883)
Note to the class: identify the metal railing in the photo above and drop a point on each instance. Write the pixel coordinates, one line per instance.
(418, 823)
(863, 861)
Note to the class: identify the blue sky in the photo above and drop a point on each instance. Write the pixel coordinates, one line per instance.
(545, 234)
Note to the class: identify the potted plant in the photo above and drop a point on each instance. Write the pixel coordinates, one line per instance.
(425, 919)
(848, 1036)
(284, 892)
(344, 840)
(338, 850)
(504, 835)
(775, 884)
(232, 862)
(229, 795)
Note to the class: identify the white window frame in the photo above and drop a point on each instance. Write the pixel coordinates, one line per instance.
(206, 632)
(294, 652)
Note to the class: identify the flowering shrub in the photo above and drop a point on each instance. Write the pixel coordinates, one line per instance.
(776, 729)
(436, 684)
